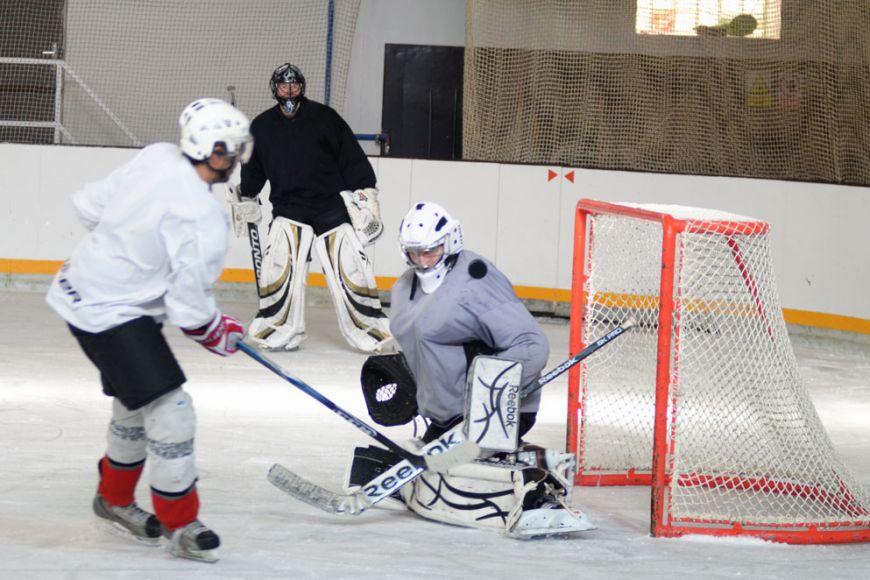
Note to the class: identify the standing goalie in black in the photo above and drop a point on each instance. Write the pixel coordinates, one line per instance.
(323, 194)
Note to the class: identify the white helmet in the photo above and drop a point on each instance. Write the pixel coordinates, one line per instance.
(208, 122)
(427, 226)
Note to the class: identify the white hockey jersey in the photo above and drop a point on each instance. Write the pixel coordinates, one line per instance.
(156, 246)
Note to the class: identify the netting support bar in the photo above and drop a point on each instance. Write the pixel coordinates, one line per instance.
(57, 124)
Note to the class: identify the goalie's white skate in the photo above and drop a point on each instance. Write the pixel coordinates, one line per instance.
(195, 541)
(281, 338)
(550, 520)
(129, 521)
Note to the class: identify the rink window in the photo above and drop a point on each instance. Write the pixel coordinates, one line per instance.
(732, 18)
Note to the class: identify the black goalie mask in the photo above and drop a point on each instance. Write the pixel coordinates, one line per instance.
(287, 73)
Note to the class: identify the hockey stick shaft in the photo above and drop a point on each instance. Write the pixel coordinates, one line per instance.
(437, 461)
(404, 472)
(579, 357)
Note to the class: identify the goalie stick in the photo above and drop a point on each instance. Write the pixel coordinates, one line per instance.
(356, 502)
(440, 459)
(550, 375)
(256, 252)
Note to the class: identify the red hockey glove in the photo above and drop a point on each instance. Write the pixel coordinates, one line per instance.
(220, 335)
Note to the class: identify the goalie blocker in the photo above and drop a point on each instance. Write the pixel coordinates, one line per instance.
(492, 403)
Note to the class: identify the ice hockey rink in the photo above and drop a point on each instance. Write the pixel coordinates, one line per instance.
(52, 427)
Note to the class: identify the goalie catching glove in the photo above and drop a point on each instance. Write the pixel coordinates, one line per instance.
(245, 210)
(389, 389)
(365, 213)
(220, 335)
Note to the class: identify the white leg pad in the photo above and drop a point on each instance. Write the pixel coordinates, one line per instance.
(170, 425)
(280, 321)
(490, 495)
(351, 281)
(126, 438)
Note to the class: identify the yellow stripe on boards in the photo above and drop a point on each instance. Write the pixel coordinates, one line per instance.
(792, 316)
(8, 266)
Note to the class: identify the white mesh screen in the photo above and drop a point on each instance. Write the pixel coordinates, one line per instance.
(119, 72)
(763, 88)
(745, 443)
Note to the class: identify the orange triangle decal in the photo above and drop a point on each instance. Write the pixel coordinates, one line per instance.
(551, 175)
(570, 176)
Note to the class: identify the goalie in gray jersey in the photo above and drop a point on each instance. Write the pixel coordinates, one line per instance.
(449, 306)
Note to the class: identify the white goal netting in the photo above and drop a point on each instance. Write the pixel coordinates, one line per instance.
(710, 371)
(119, 72)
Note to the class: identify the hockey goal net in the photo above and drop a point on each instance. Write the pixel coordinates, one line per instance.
(703, 400)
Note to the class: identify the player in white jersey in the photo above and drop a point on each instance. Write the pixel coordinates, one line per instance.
(155, 246)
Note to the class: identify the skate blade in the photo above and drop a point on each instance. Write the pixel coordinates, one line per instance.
(119, 531)
(208, 556)
(545, 523)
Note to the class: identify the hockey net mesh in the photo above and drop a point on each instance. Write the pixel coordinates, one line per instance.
(745, 443)
(119, 72)
(759, 88)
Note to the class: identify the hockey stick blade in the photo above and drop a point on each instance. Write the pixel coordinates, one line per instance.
(379, 488)
(294, 485)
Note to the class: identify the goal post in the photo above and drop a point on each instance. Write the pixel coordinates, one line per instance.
(703, 400)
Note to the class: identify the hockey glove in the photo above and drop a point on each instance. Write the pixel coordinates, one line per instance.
(389, 389)
(245, 210)
(220, 335)
(365, 213)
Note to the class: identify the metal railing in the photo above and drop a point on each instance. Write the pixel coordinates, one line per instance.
(62, 67)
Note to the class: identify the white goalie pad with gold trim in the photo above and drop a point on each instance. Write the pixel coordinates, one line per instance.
(280, 323)
(492, 403)
(351, 281)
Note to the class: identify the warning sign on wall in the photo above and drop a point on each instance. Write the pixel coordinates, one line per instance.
(758, 90)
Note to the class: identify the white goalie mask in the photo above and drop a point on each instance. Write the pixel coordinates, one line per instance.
(425, 229)
(209, 122)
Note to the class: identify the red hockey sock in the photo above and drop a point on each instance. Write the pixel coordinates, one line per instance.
(118, 481)
(175, 511)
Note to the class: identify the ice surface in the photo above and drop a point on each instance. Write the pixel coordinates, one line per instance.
(52, 431)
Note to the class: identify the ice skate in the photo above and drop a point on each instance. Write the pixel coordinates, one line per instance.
(195, 541)
(551, 519)
(270, 338)
(129, 521)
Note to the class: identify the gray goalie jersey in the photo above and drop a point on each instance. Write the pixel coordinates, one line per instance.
(476, 302)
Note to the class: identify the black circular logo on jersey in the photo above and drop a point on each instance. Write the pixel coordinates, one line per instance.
(477, 269)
